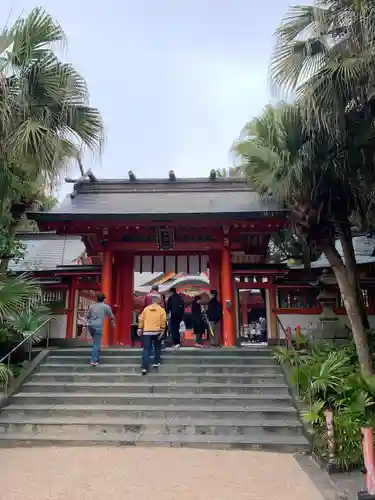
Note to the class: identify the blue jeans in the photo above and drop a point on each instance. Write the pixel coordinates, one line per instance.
(96, 334)
(150, 342)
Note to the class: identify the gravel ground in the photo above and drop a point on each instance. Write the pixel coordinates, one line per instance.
(98, 473)
(350, 483)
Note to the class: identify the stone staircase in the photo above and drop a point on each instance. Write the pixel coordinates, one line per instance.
(219, 398)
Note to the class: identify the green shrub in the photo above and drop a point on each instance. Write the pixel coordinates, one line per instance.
(329, 378)
(5, 375)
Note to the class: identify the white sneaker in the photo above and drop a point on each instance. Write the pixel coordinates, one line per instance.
(177, 346)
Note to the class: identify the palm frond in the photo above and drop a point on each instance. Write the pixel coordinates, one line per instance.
(45, 116)
(5, 375)
(16, 295)
(300, 47)
(33, 35)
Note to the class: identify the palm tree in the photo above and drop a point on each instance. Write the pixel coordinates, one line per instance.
(45, 117)
(304, 169)
(325, 57)
(230, 172)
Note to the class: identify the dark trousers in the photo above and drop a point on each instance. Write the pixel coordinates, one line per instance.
(174, 327)
(215, 333)
(199, 330)
(150, 342)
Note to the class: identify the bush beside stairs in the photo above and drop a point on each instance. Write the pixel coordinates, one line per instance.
(219, 398)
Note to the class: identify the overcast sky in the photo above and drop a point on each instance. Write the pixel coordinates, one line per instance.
(175, 80)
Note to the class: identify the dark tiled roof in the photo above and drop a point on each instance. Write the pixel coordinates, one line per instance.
(364, 249)
(161, 199)
(46, 251)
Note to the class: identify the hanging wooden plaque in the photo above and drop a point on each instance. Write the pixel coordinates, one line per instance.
(165, 238)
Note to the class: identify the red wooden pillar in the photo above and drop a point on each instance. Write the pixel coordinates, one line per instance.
(127, 297)
(71, 308)
(107, 290)
(214, 268)
(116, 270)
(227, 299)
(272, 327)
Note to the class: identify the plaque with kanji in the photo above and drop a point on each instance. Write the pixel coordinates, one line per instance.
(165, 238)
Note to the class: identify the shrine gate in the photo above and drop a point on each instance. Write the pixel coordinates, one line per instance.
(177, 225)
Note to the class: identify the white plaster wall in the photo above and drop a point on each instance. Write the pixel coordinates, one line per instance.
(371, 319)
(268, 310)
(307, 322)
(58, 327)
(236, 309)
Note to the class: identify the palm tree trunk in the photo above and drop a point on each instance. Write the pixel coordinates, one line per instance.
(4, 263)
(80, 164)
(352, 270)
(352, 309)
(306, 256)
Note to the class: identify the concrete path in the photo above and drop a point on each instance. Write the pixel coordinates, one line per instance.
(98, 473)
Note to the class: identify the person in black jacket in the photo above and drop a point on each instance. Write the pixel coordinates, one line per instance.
(214, 315)
(199, 325)
(175, 308)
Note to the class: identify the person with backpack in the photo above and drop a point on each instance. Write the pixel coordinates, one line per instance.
(175, 309)
(214, 315)
(96, 316)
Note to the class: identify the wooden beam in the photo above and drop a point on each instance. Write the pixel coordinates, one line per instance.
(141, 247)
(260, 272)
(261, 225)
(244, 285)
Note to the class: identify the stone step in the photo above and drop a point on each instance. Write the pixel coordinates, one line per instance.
(169, 359)
(103, 425)
(245, 401)
(168, 368)
(187, 410)
(142, 386)
(185, 351)
(275, 443)
(101, 376)
(208, 398)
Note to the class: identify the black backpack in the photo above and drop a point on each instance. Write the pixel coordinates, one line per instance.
(176, 305)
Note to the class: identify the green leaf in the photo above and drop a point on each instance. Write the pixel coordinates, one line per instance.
(16, 295)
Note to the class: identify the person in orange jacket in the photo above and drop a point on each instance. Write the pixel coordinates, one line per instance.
(151, 326)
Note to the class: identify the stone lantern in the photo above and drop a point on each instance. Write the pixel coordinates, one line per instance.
(329, 326)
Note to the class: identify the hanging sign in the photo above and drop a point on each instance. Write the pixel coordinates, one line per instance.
(165, 238)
